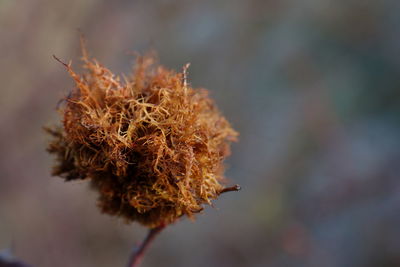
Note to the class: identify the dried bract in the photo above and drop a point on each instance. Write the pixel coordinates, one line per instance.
(152, 146)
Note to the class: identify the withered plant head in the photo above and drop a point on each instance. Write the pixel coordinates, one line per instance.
(152, 146)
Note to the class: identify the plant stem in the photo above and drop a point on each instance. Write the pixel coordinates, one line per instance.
(138, 253)
(236, 187)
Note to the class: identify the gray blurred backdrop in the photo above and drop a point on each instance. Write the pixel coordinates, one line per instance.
(313, 87)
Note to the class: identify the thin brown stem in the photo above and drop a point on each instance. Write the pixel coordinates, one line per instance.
(138, 253)
(236, 187)
(59, 60)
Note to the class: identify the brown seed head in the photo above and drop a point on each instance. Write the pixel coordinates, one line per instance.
(151, 145)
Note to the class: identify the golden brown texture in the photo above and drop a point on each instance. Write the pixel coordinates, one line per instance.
(151, 145)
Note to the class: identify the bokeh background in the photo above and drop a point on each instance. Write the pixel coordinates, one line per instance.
(313, 87)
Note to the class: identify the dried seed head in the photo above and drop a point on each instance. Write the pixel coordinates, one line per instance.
(151, 145)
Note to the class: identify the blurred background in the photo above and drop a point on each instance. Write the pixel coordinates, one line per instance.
(313, 87)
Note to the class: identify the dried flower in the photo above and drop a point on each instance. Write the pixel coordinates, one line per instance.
(152, 146)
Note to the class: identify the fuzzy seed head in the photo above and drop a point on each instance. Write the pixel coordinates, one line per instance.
(152, 146)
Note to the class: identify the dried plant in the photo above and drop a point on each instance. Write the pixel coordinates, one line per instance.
(152, 146)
